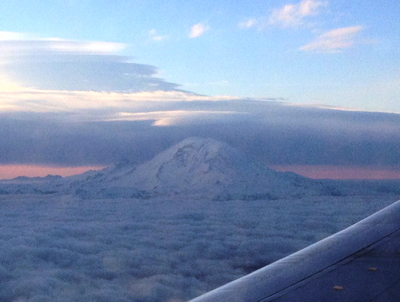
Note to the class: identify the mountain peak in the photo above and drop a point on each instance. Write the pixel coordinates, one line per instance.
(197, 168)
(197, 151)
(205, 167)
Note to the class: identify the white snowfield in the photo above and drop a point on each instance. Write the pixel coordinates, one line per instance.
(197, 168)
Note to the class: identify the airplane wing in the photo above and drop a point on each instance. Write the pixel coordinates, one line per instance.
(360, 263)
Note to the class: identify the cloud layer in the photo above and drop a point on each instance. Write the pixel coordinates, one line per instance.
(61, 249)
(96, 131)
(59, 64)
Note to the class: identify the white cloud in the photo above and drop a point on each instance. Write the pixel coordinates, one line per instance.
(163, 250)
(10, 36)
(248, 23)
(198, 30)
(60, 64)
(14, 44)
(156, 37)
(91, 47)
(294, 14)
(15, 98)
(334, 40)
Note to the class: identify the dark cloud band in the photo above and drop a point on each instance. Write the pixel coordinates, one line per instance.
(269, 132)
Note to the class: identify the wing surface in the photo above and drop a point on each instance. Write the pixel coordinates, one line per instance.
(360, 263)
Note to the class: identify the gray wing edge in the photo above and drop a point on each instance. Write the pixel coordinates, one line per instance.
(343, 249)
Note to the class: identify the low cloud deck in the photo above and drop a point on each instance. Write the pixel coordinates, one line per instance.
(360, 263)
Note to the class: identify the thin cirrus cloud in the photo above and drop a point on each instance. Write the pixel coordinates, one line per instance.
(248, 23)
(290, 15)
(198, 29)
(155, 36)
(17, 46)
(294, 14)
(334, 40)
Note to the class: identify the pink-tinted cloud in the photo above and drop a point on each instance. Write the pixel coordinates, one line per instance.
(334, 40)
(12, 171)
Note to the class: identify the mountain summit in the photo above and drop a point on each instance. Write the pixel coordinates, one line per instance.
(197, 168)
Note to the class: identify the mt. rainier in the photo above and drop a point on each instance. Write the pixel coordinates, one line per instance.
(196, 168)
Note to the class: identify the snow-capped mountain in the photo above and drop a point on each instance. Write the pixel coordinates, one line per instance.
(196, 167)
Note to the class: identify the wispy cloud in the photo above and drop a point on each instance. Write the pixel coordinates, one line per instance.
(334, 40)
(154, 36)
(248, 23)
(294, 14)
(94, 47)
(198, 30)
(37, 100)
(15, 44)
(212, 83)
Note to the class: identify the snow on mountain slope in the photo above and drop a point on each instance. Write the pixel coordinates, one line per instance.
(196, 168)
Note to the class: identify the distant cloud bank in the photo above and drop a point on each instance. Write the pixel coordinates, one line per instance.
(96, 131)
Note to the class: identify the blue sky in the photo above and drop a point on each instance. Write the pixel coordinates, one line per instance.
(172, 66)
(339, 53)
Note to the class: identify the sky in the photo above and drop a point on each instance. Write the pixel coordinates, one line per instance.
(305, 85)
